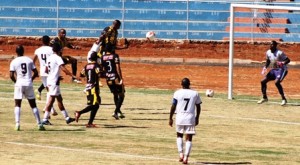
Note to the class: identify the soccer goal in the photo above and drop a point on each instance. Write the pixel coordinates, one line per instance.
(256, 24)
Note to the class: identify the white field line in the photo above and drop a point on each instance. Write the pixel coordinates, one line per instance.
(90, 151)
(254, 119)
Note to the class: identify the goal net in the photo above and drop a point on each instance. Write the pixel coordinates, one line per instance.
(252, 28)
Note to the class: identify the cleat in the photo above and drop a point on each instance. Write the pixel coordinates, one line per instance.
(77, 81)
(17, 128)
(70, 120)
(121, 115)
(181, 157)
(77, 115)
(283, 102)
(115, 115)
(47, 122)
(91, 126)
(38, 95)
(185, 160)
(263, 100)
(41, 127)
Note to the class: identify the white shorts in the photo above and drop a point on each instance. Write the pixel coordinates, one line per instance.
(24, 91)
(54, 90)
(187, 129)
(44, 80)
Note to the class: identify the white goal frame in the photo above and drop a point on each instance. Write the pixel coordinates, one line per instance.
(231, 37)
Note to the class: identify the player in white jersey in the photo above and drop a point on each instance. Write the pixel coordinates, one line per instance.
(42, 54)
(23, 67)
(278, 61)
(54, 65)
(185, 101)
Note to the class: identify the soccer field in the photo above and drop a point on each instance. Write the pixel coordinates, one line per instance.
(230, 131)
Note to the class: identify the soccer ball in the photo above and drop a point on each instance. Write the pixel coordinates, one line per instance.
(210, 93)
(150, 35)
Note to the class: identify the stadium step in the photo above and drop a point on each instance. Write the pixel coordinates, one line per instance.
(254, 39)
(247, 29)
(261, 20)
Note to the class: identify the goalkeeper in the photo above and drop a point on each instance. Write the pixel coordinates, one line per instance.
(277, 60)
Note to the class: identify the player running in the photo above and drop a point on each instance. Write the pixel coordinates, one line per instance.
(114, 79)
(42, 54)
(278, 61)
(92, 73)
(184, 102)
(23, 67)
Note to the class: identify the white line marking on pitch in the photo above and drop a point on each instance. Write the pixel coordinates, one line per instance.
(90, 151)
(253, 119)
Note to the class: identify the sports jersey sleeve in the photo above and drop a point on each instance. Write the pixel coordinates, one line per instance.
(12, 66)
(198, 99)
(60, 61)
(117, 59)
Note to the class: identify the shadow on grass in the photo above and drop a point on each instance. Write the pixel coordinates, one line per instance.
(220, 163)
(142, 109)
(150, 119)
(122, 126)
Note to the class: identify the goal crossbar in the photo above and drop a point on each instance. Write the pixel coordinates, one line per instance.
(231, 36)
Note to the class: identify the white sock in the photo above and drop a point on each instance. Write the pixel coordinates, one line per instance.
(188, 147)
(17, 115)
(65, 114)
(46, 115)
(180, 144)
(36, 114)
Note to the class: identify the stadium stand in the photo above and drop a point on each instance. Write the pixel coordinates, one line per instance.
(194, 19)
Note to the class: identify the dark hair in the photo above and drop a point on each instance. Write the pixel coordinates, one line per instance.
(20, 50)
(274, 43)
(56, 47)
(46, 39)
(63, 30)
(93, 56)
(185, 83)
(117, 21)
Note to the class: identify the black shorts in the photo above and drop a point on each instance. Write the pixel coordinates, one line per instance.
(93, 97)
(115, 88)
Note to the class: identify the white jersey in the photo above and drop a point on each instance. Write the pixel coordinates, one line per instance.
(185, 108)
(23, 67)
(54, 63)
(278, 55)
(43, 54)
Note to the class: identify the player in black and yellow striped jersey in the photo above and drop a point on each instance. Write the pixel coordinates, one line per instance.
(109, 35)
(63, 42)
(91, 72)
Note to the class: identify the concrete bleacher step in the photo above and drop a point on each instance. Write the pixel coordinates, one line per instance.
(261, 20)
(253, 39)
(247, 29)
(238, 9)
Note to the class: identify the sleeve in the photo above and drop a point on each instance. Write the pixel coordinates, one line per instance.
(60, 61)
(32, 65)
(198, 99)
(12, 66)
(283, 56)
(117, 59)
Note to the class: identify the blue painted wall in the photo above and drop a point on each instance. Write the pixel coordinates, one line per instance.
(178, 19)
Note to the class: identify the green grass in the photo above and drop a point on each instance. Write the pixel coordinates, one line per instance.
(230, 131)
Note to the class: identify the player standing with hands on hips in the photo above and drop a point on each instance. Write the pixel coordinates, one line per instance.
(278, 61)
(184, 102)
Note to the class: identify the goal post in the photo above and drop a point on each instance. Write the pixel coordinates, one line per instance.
(232, 32)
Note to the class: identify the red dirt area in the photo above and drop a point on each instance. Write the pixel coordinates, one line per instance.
(167, 75)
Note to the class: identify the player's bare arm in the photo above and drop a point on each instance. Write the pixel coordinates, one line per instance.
(198, 109)
(35, 74)
(67, 72)
(12, 76)
(172, 111)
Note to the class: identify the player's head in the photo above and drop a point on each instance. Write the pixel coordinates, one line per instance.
(56, 48)
(20, 50)
(116, 24)
(273, 45)
(93, 56)
(62, 33)
(109, 48)
(46, 40)
(185, 83)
